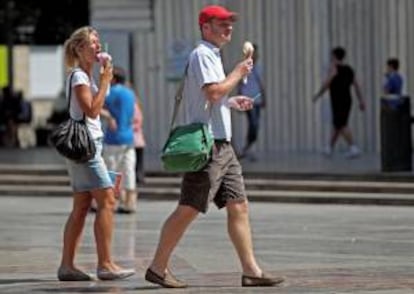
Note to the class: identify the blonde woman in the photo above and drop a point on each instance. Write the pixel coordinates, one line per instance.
(89, 180)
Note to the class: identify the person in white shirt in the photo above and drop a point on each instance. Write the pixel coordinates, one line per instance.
(89, 180)
(206, 89)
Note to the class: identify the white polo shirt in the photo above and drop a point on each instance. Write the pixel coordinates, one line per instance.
(206, 67)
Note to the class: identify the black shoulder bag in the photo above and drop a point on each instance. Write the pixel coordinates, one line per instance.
(72, 138)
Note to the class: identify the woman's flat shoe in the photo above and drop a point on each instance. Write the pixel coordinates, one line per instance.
(67, 274)
(124, 210)
(107, 275)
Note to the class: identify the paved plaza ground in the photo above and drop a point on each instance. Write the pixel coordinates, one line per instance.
(318, 248)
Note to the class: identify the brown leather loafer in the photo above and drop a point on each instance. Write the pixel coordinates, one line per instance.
(167, 281)
(263, 281)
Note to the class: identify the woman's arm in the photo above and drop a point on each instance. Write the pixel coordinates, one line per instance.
(359, 95)
(137, 117)
(90, 105)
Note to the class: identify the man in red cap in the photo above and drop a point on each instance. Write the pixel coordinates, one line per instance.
(206, 90)
(215, 12)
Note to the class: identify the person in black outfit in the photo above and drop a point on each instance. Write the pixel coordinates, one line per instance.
(341, 78)
(10, 113)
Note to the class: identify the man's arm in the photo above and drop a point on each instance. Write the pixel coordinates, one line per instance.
(322, 90)
(386, 86)
(326, 83)
(358, 93)
(215, 91)
(105, 114)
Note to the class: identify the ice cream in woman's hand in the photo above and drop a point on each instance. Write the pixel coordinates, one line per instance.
(102, 57)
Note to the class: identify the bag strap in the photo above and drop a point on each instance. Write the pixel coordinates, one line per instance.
(70, 92)
(178, 97)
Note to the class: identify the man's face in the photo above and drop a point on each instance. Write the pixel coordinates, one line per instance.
(220, 30)
(389, 68)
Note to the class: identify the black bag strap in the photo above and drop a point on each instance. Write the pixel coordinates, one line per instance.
(178, 97)
(70, 93)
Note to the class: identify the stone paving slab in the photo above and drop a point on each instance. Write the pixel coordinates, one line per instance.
(319, 249)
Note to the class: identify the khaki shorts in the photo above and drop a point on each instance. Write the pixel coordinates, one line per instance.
(220, 181)
(121, 158)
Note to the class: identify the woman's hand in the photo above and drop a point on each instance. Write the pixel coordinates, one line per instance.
(106, 73)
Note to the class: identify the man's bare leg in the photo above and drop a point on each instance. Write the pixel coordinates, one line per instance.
(238, 226)
(240, 234)
(346, 133)
(334, 137)
(171, 233)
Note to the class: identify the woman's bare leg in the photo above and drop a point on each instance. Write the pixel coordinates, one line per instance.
(103, 227)
(74, 227)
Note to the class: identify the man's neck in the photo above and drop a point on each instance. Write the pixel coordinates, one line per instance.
(212, 42)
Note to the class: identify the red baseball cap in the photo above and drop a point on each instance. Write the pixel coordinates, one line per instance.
(215, 11)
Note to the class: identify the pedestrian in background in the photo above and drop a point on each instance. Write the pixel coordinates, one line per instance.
(119, 152)
(206, 90)
(253, 87)
(339, 82)
(10, 112)
(393, 81)
(139, 142)
(25, 134)
(89, 180)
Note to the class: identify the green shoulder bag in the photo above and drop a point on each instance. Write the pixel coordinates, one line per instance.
(188, 147)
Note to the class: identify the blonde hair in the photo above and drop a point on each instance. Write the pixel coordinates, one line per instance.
(76, 40)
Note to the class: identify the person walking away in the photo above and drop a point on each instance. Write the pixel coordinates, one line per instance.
(119, 152)
(339, 81)
(25, 133)
(206, 90)
(89, 180)
(11, 109)
(139, 142)
(253, 87)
